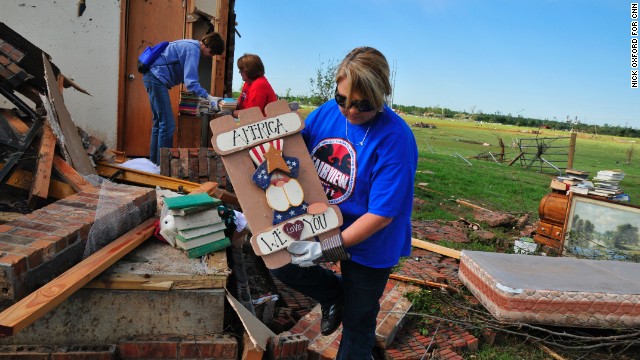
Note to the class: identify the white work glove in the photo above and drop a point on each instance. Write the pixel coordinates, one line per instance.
(214, 102)
(240, 221)
(305, 253)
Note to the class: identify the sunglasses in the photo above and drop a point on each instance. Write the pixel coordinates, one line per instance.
(360, 105)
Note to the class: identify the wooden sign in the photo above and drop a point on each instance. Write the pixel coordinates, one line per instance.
(274, 179)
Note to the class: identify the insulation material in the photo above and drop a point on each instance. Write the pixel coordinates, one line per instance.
(554, 290)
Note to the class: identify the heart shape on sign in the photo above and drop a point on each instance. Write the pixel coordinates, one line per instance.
(294, 229)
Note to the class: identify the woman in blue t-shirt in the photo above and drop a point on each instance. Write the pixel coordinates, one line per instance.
(366, 158)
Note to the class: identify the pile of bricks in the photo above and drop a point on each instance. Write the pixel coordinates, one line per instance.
(9, 69)
(197, 165)
(37, 247)
(396, 337)
(430, 266)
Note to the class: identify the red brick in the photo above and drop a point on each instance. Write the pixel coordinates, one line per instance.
(329, 354)
(488, 336)
(229, 350)
(34, 256)
(48, 248)
(28, 233)
(472, 344)
(459, 344)
(18, 263)
(6, 228)
(33, 225)
(206, 347)
(20, 352)
(148, 349)
(17, 55)
(84, 355)
(59, 241)
(12, 239)
(24, 356)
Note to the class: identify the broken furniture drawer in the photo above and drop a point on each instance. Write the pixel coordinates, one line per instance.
(549, 230)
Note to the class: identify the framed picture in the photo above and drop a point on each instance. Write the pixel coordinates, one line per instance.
(601, 229)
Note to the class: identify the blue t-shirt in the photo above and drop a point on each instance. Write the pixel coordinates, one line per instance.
(179, 64)
(375, 177)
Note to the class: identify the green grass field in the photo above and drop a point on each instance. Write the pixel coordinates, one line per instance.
(497, 186)
(444, 176)
(500, 187)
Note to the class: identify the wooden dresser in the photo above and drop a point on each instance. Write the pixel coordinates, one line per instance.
(552, 212)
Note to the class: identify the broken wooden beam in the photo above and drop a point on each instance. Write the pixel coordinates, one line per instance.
(70, 175)
(473, 206)
(21, 179)
(442, 250)
(158, 282)
(41, 301)
(136, 177)
(39, 191)
(421, 282)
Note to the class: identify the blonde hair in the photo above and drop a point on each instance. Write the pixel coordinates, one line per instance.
(367, 74)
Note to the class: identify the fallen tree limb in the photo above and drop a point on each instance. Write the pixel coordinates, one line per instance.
(43, 300)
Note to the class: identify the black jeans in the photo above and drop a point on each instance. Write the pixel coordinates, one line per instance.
(362, 288)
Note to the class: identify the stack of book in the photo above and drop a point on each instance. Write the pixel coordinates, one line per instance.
(228, 104)
(574, 181)
(607, 183)
(188, 103)
(200, 229)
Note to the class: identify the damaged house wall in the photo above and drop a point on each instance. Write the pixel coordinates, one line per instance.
(86, 49)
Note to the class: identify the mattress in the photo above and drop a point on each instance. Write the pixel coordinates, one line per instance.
(554, 290)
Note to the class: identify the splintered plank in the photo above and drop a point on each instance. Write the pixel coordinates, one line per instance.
(15, 121)
(137, 177)
(43, 300)
(72, 142)
(158, 282)
(40, 183)
(70, 175)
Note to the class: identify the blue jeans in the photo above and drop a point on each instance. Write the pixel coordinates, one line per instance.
(163, 122)
(362, 288)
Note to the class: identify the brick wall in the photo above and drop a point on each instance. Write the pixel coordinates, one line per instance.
(219, 347)
(33, 352)
(37, 247)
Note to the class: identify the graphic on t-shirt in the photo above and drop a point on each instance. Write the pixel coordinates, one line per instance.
(333, 159)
